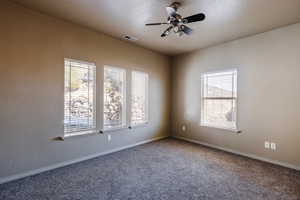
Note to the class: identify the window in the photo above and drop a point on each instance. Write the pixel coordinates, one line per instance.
(139, 98)
(114, 97)
(79, 98)
(219, 99)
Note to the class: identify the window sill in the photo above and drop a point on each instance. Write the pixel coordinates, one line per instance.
(115, 129)
(143, 124)
(237, 131)
(77, 134)
(96, 132)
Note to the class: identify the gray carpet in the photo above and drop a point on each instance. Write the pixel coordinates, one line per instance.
(167, 169)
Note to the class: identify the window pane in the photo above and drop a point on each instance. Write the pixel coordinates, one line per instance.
(219, 113)
(139, 98)
(220, 84)
(79, 97)
(114, 97)
(219, 96)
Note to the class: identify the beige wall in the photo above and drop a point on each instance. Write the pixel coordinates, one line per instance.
(32, 51)
(268, 93)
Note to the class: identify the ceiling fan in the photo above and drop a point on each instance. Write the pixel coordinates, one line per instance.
(176, 22)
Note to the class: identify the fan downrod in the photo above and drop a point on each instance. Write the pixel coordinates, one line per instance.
(175, 5)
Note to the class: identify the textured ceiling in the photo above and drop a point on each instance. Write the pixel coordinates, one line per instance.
(226, 19)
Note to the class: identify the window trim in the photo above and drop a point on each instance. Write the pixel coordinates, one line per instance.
(146, 121)
(124, 114)
(202, 124)
(90, 130)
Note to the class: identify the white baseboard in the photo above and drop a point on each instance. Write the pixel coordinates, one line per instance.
(62, 164)
(240, 153)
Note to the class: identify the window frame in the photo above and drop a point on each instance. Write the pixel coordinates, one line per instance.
(94, 68)
(98, 99)
(146, 99)
(125, 104)
(202, 99)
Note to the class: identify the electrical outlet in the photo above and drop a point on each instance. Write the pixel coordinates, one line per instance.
(267, 145)
(109, 137)
(273, 146)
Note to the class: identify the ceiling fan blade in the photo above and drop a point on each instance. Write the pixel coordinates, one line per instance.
(171, 11)
(194, 18)
(187, 30)
(153, 24)
(166, 32)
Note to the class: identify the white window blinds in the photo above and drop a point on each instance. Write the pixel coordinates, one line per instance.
(114, 97)
(79, 95)
(219, 99)
(139, 98)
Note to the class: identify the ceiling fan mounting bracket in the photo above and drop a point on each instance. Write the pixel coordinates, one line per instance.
(175, 5)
